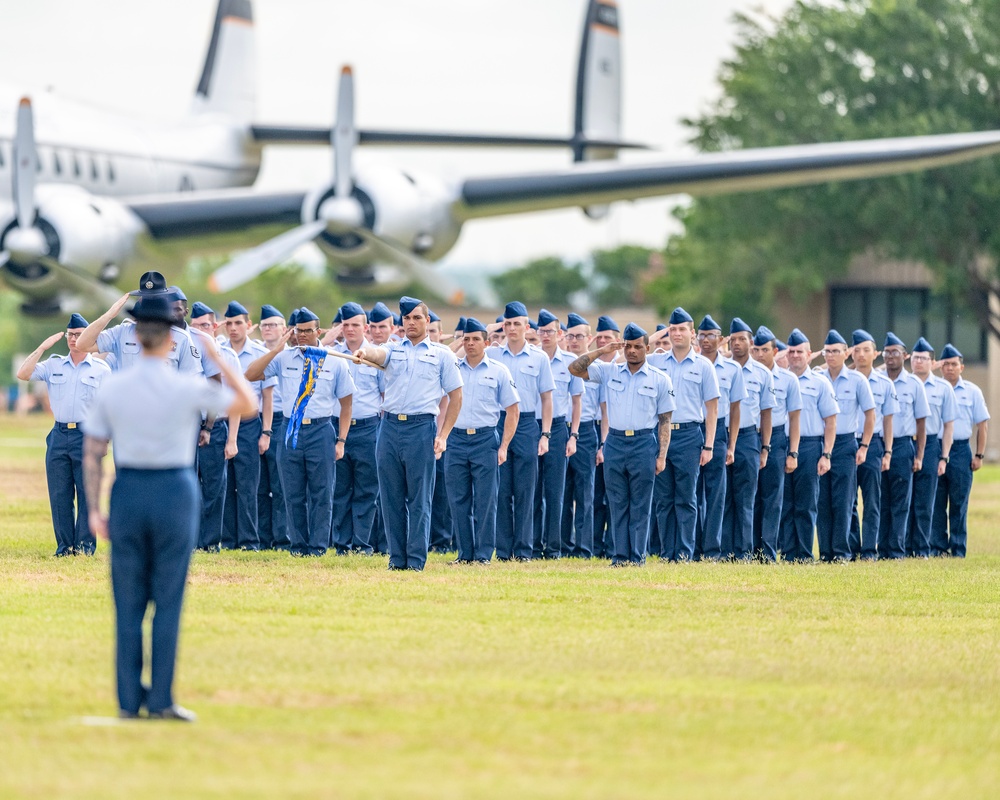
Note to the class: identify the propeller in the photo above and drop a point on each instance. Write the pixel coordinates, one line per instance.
(340, 214)
(25, 242)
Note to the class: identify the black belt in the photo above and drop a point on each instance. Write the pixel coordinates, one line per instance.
(316, 420)
(630, 433)
(365, 422)
(749, 429)
(68, 426)
(408, 417)
(811, 438)
(874, 436)
(683, 426)
(555, 420)
(960, 441)
(474, 431)
(901, 439)
(844, 437)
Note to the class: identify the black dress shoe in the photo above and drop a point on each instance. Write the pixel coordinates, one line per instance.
(176, 713)
(459, 562)
(393, 568)
(123, 714)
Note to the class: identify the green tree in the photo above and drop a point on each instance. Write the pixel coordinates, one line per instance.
(839, 70)
(617, 274)
(545, 281)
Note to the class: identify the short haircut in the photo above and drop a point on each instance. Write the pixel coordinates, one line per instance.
(152, 332)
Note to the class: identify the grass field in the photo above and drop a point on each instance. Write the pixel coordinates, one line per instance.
(332, 677)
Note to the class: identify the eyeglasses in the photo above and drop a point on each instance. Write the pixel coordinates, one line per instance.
(708, 337)
(547, 333)
(270, 325)
(301, 331)
(835, 352)
(73, 335)
(576, 337)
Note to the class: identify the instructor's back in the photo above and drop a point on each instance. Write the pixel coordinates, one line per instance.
(152, 413)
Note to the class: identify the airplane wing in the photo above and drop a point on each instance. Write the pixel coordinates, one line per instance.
(193, 214)
(717, 173)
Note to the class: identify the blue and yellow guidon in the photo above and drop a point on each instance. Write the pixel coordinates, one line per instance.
(314, 357)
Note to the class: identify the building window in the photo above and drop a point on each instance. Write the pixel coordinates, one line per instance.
(910, 314)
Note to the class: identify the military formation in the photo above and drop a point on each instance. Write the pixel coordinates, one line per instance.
(525, 438)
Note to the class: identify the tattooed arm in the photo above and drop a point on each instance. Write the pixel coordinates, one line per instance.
(94, 451)
(580, 366)
(661, 457)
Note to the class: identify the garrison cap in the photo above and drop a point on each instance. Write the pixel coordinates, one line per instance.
(950, 351)
(176, 293)
(575, 319)
(546, 317)
(660, 327)
(432, 316)
(515, 309)
(406, 305)
(562, 327)
(397, 320)
(922, 346)
(679, 316)
(500, 318)
(763, 336)
(235, 309)
(199, 309)
(305, 315)
(269, 311)
(707, 324)
(154, 308)
(780, 345)
(533, 325)
(460, 325)
(796, 337)
(834, 337)
(632, 332)
(739, 326)
(892, 340)
(293, 318)
(151, 283)
(607, 324)
(76, 321)
(473, 325)
(380, 312)
(338, 317)
(861, 335)
(350, 311)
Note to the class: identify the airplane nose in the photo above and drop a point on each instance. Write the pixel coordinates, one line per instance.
(25, 244)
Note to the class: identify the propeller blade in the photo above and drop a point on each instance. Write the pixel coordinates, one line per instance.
(344, 136)
(25, 159)
(395, 253)
(247, 266)
(101, 294)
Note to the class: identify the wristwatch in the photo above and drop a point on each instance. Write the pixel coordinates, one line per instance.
(574, 434)
(547, 434)
(793, 454)
(709, 449)
(945, 459)
(827, 456)
(266, 433)
(863, 444)
(766, 447)
(887, 452)
(342, 439)
(980, 455)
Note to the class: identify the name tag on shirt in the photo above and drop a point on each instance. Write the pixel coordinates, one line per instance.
(812, 391)
(647, 391)
(617, 384)
(488, 380)
(89, 380)
(57, 378)
(130, 348)
(530, 369)
(693, 375)
(428, 358)
(324, 375)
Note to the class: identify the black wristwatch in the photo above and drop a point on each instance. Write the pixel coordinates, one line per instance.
(794, 454)
(266, 433)
(709, 449)
(863, 444)
(980, 455)
(828, 456)
(766, 447)
(945, 459)
(342, 439)
(887, 452)
(547, 434)
(574, 434)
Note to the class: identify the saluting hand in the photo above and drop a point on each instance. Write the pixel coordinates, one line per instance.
(119, 304)
(55, 337)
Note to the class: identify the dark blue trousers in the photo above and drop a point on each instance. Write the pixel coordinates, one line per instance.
(212, 478)
(239, 527)
(64, 475)
(442, 532)
(897, 484)
(836, 492)
(741, 489)
(153, 526)
(578, 498)
(770, 498)
(951, 506)
(863, 538)
(798, 509)
(307, 477)
(712, 479)
(357, 489)
(603, 546)
(923, 491)
(516, 492)
(630, 475)
(549, 489)
(406, 475)
(272, 529)
(675, 495)
(472, 474)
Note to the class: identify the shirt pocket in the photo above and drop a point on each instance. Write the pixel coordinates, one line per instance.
(527, 378)
(130, 348)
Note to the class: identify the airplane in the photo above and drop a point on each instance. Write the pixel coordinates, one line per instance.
(92, 187)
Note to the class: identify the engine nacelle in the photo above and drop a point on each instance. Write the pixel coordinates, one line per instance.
(410, 209)
(93, 236)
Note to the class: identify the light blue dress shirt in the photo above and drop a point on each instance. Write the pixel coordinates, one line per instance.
(886, 403)
(759, 387)
(590, 405)
(942, 404)
(787, 396)
(487, 389)
(71, 386)
(369, 386)
(693, 380)
(818, 403)
(971, 409)
(418, 376)
(854, 398)
(532, 374)
(333, 381)
(153, 389)
(634, 401)
(911, 401)
(184, 356)
(566, 385)
(250, 352)
(729, 374)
